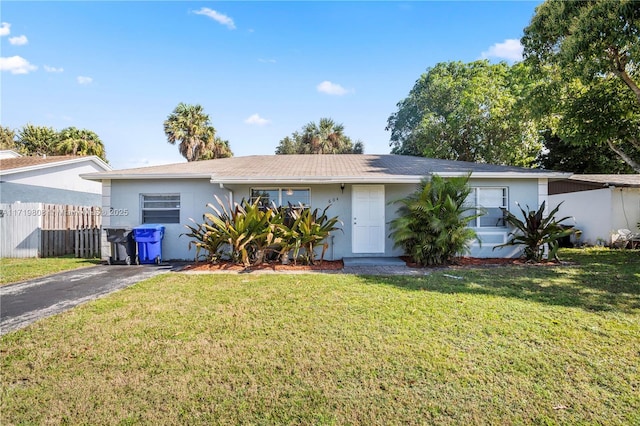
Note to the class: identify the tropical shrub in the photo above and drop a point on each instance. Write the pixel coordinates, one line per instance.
(309, 229)
(535, 232)
(432, 222)
(248, 232)
(241, 232)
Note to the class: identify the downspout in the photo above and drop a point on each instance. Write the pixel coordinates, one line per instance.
(230, 193)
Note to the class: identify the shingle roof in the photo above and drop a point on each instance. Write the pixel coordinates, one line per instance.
(610, 180)
(319, 168)
(20, 162)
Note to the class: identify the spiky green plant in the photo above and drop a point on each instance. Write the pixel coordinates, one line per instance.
(535, 232)
(243, 232)
(310, 228)
(431, 225)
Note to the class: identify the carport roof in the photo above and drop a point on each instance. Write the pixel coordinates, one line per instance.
(326, 168)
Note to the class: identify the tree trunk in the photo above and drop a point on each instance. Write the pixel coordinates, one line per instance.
(634, 165)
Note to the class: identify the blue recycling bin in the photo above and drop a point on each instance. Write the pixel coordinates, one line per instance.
(149, 240)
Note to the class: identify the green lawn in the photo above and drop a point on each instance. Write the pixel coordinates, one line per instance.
(507, 345)
(14, 270)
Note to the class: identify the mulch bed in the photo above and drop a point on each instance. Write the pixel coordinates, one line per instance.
(325, 265)
(337, 265)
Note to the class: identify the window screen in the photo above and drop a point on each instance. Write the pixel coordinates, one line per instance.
(161, 208)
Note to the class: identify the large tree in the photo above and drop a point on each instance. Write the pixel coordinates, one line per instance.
(73, 141)
(37, 140)
(587, 54)
(326, 137)
(562, 155)
(468, 112)
(192, 129)
(7, 138)
(43, 140)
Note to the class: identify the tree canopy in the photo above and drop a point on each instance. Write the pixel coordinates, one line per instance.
(73, 141)
(7, 138)
(43, 140)
(468, 112)
(562, 155)
(586, 56)
(326, 137)
(191, 128)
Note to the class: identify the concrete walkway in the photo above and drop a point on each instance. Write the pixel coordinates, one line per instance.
(24, 303)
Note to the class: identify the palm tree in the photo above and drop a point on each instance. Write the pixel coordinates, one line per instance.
(326, 137)
(216, 148)
(73, 141)
(191, 127)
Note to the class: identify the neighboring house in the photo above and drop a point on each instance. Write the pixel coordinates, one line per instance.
(49, 179)
(361, 190)
(7, 153)
(599, 205)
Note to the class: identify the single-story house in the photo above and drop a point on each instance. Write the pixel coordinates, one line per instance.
(50, 179)
(361, 190)
(598, 204)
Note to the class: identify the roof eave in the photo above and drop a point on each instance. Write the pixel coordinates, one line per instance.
(508, 175)
(93, 158)
(285, 180)
(146, 176)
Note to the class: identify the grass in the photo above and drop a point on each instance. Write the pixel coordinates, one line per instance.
(508, 345)
(14, 270)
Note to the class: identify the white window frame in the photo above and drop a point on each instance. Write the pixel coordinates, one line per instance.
(476, 198)
(280, 190)
(143, 208)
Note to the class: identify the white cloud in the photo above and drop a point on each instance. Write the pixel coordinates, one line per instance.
(19, 40)
(217, 16)
(84, 80)
(257, 120)
(267, 61)
(16, 65)
(5, 29)
(510, 49)
(47, 68)
(331, 88)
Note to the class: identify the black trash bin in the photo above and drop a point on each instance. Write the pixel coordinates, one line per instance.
(123, 247)
(565, 241)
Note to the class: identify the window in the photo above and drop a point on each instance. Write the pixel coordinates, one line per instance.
(160, 208)
(490, 202)
(281, 196)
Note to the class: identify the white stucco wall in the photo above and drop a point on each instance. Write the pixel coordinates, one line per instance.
(57, 184)
(600, 212)
(122, 195)
(125, 196)
(625, 211)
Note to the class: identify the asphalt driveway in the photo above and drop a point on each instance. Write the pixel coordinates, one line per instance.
(24, 303)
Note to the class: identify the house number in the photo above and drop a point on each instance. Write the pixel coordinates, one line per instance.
(333, 200)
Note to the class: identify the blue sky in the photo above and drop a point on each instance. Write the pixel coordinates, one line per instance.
(261, 70)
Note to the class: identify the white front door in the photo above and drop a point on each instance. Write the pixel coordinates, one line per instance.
(367, 219)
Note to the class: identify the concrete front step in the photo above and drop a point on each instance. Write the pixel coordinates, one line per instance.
(373, 261)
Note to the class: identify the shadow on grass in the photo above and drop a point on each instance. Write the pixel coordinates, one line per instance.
(595, 281)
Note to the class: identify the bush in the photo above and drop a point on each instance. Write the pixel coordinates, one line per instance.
(536, 231)
(431, 225)
(247, 232)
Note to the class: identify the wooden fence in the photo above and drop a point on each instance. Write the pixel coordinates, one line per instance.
(49, 230)
(58, 216)
(79, 242)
